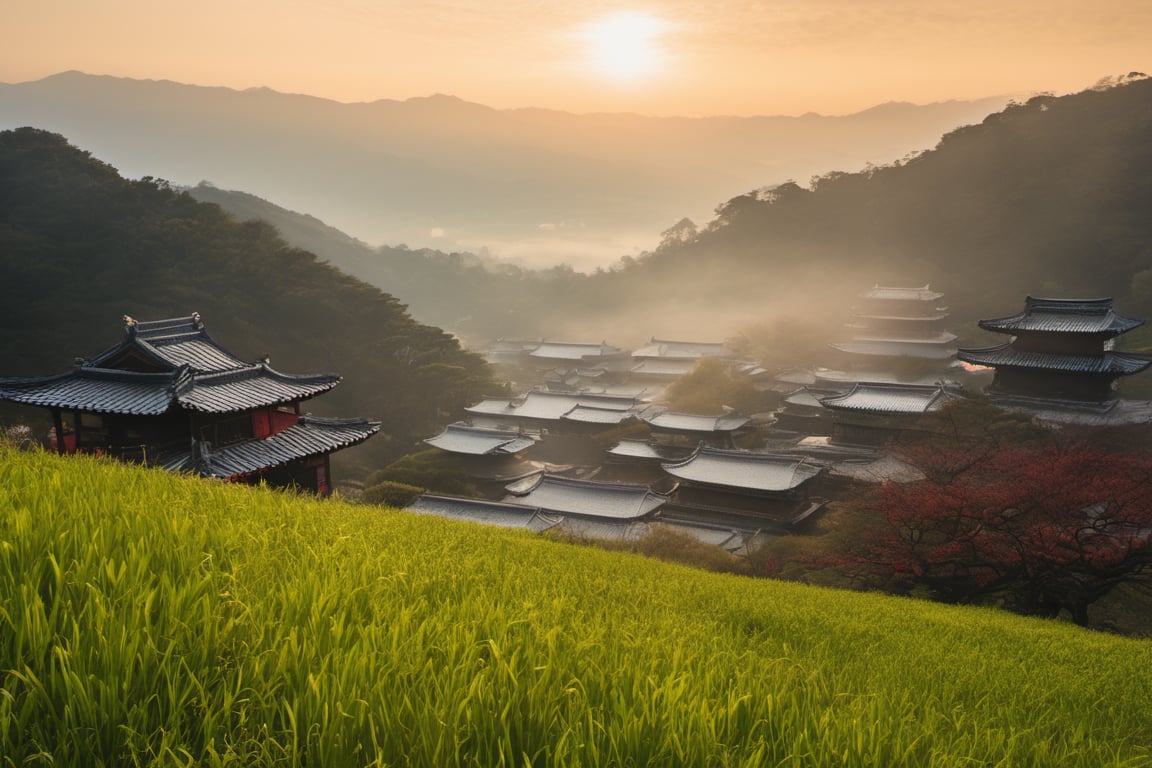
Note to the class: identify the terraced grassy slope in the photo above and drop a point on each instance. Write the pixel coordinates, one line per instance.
(148, 619)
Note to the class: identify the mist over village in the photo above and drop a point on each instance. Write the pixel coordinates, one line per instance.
(540, 384)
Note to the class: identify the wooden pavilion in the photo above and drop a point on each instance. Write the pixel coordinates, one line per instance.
(168, 395)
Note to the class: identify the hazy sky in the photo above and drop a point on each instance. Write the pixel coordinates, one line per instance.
(658, 56)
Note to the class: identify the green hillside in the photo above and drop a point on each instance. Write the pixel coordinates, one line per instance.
(149, 619)
(80, 246)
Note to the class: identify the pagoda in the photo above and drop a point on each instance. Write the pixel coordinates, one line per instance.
(168, 395)
(895, 323)
(1061, 349)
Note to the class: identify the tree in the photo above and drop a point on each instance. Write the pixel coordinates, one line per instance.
(712, 386)
(1039, 529)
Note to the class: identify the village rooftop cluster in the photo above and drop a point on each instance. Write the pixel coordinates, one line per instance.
(587, 446)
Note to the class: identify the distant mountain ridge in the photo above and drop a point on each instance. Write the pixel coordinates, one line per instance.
(438, 171)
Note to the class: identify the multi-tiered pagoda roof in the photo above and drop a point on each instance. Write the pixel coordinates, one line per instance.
(169, 394)
(897, 322)
(1060, 350)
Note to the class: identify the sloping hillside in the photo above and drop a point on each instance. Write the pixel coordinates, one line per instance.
(150, 619)
(1049, 197)
(80, 247)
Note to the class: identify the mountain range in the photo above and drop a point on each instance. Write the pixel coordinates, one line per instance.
(531, 185)
(1046, 197)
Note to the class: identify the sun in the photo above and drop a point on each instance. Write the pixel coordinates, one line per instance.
(625, 46)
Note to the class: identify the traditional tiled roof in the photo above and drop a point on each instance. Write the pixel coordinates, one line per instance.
(1113, 363)
(172, 343)
(475, 441)
(616, 501)
(870, 313)
(939, 337)
(658, 367)
(587, 414)
(563, 350)
(637, 449)
(98, 390)
(681, 350)
(691, 422)
(889, 293)
(1064, 316)
(745, 470)
(311, 436)
(193, 372)
(932, 350)
(875, 397)
(806, 398)
(487, 512)
(256, 386)
(550, 406)
(106, 390)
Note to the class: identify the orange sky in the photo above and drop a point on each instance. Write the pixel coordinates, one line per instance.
(718, 57)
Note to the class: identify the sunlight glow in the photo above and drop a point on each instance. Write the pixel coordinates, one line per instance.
(624, 46)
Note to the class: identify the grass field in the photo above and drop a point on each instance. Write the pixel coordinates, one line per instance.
(147, 619)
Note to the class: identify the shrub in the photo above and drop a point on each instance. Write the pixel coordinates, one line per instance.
(391, 494)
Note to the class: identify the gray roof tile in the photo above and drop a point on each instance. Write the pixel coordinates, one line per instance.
(877, 397)
(691, 422)
(616, 501)
(98, 390)
(1116, 363)
(482, 511)
(311, 436)
(893, 293)
(1064, 316)
(255, 386)
(477, 441)
(745, 470)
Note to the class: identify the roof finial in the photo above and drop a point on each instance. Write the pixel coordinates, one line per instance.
(196, 320)
(129, 326)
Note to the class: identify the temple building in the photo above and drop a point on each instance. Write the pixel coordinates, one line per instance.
(872, 413)
(1060, 349)
(556, 411)
(898, 325)
(168, 395)
(690, 429)
(489, 457)
(744, 489)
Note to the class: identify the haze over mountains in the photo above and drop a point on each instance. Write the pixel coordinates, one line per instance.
(1049, 197)
(533, 185)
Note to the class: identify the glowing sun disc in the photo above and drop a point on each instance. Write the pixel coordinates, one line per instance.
(624, 45)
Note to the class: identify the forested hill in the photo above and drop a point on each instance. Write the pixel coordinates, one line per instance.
(1048, 197)
(80, 247)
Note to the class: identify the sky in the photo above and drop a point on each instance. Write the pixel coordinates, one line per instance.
(659, 57)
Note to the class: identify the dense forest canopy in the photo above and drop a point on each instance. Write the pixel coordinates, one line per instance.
(1048, 197)
(80, 247)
